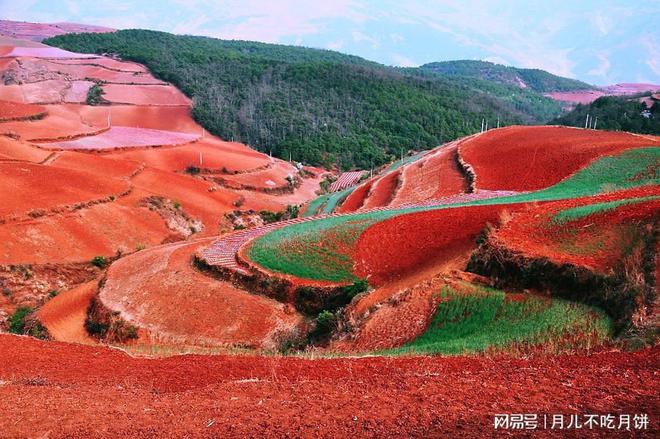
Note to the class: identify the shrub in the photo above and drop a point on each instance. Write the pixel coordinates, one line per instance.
(270, 217)
(23, 321)
(326, 322)
(6, 292)
(292, 211)
(100, 262)
(52, 293)
(359, 286)
(192, 170)
(95, 95)
(17, 320)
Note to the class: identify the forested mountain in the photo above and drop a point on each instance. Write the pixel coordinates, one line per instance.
(624, 113)
(323, 107)
(535, 79)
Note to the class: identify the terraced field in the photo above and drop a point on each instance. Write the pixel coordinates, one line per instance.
(607, 174)
(85, 182)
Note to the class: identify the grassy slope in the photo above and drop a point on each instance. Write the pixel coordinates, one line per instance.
(605, 175)
(485, 320)
(323, 107)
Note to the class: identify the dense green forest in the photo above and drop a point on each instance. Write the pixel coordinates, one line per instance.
(535, 79)
(622, 113)
(322, 107)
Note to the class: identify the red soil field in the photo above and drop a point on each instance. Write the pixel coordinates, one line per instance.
(78, 236)
(110, 63)
(82, 71)
(17, 111)
(193, 195)
(52, 91)
(62, 122)
(417, 239)
(145, 116)
(355, 199)
(397, 313)
(41, 31)
(434, 176)
(274, 177)
(530, 158)
(215, 155)
(101, 166)
(11, 149)
(276, 202)
(596, 241)
(160, 291)
(577, 97)
(144, 95)
(64, 315)
(23, 188)
(383, 190)
(118, 137)
(97, 392)
(41, 52)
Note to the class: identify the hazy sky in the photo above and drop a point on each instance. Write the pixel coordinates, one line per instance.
(598, 41)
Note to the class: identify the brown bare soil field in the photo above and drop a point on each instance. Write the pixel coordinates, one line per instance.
(33, 32)
(519, 158)
(96, 71)
(27, 187)
(416, 239)
(215, 155)
(17, 111)
(102, 229)
(64, 315)
(356, 199)
(117, 137)
(160, 291)
(110, 63)
(144, 95)
(11, 149)
(597, 241)
(274, 177)
(81, 391)
(432, 177)
(144, 116)
(62, 122)
(194, 196)
(383, 190)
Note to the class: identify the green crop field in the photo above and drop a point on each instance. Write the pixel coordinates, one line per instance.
(486, 320)
(626, 170)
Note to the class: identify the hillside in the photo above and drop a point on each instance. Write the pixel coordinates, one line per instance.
(537, 80)
(617, 113)
(318, 106)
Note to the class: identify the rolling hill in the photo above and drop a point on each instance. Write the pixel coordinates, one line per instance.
(319, 106)
(535, 79)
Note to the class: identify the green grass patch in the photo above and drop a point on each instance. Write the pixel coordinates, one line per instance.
(486, 320)
(308, 239)
(335, 199)
(293, 250)
(580, 212)
(315, 206)
(405, 161)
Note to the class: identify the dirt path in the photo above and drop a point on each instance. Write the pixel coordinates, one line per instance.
(64, 315)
